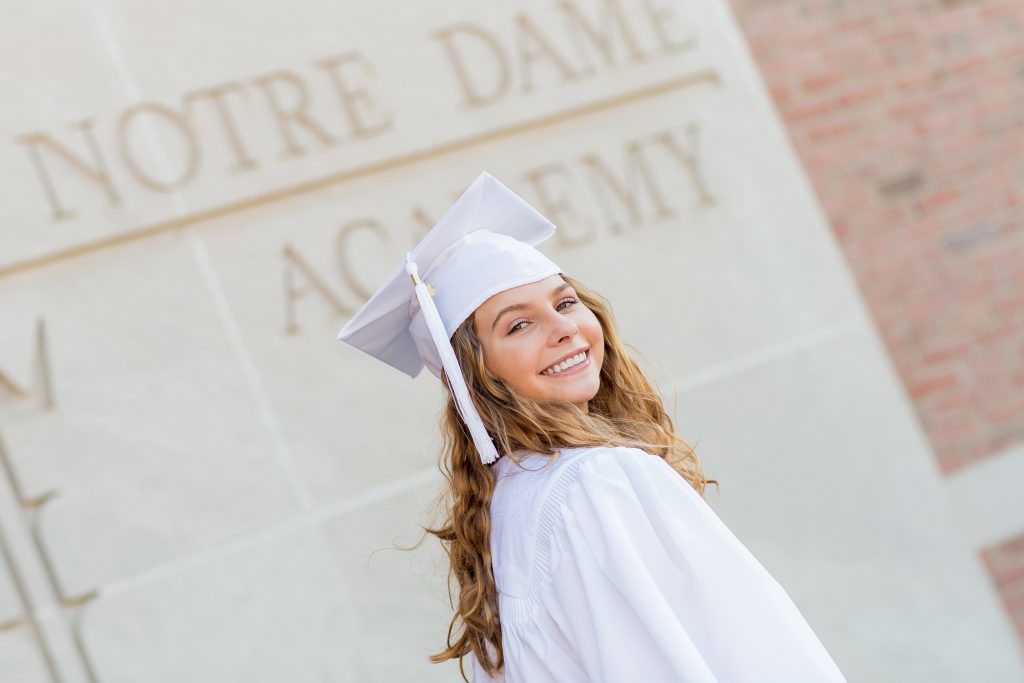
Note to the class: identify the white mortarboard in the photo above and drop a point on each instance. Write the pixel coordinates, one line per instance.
(483, 244)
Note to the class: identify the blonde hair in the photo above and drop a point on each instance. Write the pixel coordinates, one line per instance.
(626, 411)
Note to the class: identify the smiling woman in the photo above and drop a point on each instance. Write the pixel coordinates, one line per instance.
(574, 520)
(542, 341)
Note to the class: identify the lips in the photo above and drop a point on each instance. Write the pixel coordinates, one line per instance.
(585, 349)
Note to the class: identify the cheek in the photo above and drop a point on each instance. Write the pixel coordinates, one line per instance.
(512, 362)
(518, 366)
(591, 329)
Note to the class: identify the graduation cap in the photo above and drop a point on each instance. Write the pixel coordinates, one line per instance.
(482, 245)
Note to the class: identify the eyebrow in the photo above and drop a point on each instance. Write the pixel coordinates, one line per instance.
(516, 307)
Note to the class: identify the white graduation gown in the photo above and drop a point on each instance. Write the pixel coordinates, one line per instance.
(611, 568)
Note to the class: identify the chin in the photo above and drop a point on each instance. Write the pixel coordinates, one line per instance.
(578, 396)
(580, 390)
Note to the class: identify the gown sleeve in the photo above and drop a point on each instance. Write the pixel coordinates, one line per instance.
(481, 676)
(648, 584)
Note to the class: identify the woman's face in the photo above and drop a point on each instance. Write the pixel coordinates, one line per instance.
(531, 333)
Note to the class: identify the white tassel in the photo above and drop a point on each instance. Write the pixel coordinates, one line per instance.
(484, 445)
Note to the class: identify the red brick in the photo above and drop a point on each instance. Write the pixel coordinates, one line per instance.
(939, 198)
(953, 403)
(831, 130)
(856, 96)
(1013, 408)
(973, 63)
(896, 35)
(803, 38)
(945, 352)
(807, 111)
(932, 385)
(823, 80)
(988, 337)
(780, 92)
(912, 81)
(912, 107)
(1011, 304)
(1011, 51)
(1000, 9)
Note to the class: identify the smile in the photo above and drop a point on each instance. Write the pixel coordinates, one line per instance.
(569, 366)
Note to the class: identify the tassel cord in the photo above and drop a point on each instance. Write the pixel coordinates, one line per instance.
(463, 401)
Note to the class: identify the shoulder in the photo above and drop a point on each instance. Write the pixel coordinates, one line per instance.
(525, 471)
(611, 468)
(604, 482)
(524, 482)
(628, 457)
(620, 505)
(608, 481)
(530, 491)
(614, 500)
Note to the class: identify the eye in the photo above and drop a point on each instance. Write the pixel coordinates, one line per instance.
(516, 328)
(567, 300)
(521, 323)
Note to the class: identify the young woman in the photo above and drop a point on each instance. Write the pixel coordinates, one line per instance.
(574, 519)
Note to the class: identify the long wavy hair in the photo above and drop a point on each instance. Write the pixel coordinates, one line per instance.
(626, 411)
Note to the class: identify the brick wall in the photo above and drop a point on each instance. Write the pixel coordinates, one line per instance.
(1006, 564)
(909, 118)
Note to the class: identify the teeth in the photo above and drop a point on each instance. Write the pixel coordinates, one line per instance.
(566, 364)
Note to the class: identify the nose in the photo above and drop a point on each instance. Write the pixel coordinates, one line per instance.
(563, 327)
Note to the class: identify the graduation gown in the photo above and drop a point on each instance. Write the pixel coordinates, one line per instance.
(611, 568)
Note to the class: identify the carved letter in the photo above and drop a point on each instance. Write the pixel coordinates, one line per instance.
(600, 37)
(690, 161)
(342, 251)
(526, 34)
(558, 209)
(216, 95)
(44, 366)
(293, 263)
(626, 192)
(659, 16)
(362, 106)
(297, 114)
(96, 173)
(475, 96)
(191, 147)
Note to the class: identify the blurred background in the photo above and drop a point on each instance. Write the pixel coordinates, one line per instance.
(807, 217)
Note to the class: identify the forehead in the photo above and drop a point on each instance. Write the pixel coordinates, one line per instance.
(522, 294)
